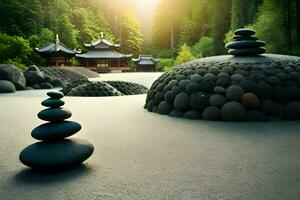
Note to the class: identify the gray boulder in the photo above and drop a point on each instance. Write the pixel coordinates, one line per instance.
(13, 74)
(34, 75)
(7, 87)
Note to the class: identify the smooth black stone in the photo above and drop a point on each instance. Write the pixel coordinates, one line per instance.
(244, 32)
(241, 38)
(164, 108)
(192, 115)
(176, 113)
(7, 87)
(212, 113)
(256, 116)
(182, 102)
(199, 101)
(56, 155)
(247, 52)
(54, 114)
(55, 130)
(46, 85)
(233, 111)
(53, 103)
(245, 44)
(55, 95)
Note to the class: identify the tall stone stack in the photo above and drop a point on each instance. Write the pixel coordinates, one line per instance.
(55, 152)
(245, 44)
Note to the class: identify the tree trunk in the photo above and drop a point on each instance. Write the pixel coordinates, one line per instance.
(172, 36)
(289, 24)
(298, 20)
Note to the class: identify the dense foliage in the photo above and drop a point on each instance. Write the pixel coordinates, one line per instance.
(206, 25)
(35, 23)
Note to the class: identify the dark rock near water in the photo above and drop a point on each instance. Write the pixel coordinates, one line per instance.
(13, 74)
(7, 87)
(55, 130)
(56, 155)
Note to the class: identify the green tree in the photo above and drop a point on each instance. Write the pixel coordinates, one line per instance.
(67, 31)
(14, 49)
(132, 38)
(204, 47)
(243, 12)
(272, 23)
(184, 55)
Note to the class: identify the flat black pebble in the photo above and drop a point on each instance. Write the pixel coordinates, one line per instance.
(55, 95)
(55, 130)
(53, 103)
(54, 114)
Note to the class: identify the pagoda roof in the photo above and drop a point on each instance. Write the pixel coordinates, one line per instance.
(56, 46)
(102, 44)
(105, 54)
(146, 60)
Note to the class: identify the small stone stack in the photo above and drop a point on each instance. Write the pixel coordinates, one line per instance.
(55, 152)
(245, 44)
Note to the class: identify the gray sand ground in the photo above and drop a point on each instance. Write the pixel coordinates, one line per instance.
(141, 155)
(145, 79)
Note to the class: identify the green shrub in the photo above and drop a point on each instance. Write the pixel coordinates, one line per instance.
(184, 55)
(204, 47)
(165, 64)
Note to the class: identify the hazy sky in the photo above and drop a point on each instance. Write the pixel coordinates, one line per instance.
(144, 10)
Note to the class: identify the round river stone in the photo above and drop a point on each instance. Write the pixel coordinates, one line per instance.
(54, 114)
(53, 103)
(55, 130)
(56, 155)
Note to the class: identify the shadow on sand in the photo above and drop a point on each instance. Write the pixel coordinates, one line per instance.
(29, 176)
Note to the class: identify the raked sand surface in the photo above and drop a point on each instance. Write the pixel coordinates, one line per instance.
(140, 155)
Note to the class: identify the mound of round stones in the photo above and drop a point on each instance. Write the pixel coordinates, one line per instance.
(107, 88)
(94, 89)
(128, 88)
(54, 152)
(230, 88)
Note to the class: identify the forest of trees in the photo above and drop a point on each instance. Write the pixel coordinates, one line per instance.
(186, 29)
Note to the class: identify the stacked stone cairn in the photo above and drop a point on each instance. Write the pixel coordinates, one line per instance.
(247, 86)
(55, 152)
(245, 44)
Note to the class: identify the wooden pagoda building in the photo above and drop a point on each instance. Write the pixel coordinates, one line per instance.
(57, 54)
(102, 56)
(146, 63)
